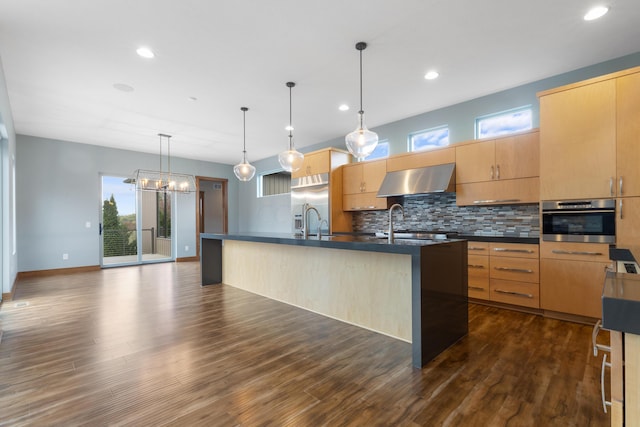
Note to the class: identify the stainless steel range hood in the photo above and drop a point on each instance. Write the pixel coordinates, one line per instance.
(431, 179)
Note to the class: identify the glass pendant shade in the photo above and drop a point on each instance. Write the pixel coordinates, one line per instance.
(244, 171)
(361, 142)
(291, 160)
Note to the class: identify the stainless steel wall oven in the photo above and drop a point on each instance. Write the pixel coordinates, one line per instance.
(579, 221)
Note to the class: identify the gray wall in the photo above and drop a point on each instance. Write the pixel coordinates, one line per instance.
(58, 191)
(8, 256)
(460, 118)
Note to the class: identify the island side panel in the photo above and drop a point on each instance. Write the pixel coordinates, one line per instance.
(211, 261)
(444, 298)
(367, 289)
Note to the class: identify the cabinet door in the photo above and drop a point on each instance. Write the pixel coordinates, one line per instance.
(475, 162)
(577, 142)
(628, 135)
(628, 224)
(352, 179)
(373, 174)
(518, 156)
(363, 202)
(314, 163)
(573, 287)
(500, 192)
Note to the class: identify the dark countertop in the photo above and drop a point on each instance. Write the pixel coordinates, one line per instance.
(621, 302)
(356, 242)
(500, 239)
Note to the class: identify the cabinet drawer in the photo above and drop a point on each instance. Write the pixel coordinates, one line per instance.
(519, 269)
(597, 252)
(478, 266)
(479, 288)
(514, 292)
(514, 250)
(478, 248)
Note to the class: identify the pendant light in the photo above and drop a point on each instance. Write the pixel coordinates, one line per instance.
(361, 142)
(244, 171)
(290, 160)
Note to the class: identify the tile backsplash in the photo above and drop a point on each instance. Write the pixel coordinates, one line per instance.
(438, 212)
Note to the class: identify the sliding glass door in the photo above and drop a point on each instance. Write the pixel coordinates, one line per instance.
(135, 225)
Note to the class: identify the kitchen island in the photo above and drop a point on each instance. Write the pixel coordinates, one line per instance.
(415, 291)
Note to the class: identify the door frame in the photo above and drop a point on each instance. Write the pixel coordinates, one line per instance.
(225, 207)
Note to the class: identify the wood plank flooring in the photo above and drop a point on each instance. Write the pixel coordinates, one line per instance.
(147, 346)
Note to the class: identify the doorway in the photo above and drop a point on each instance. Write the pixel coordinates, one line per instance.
(212, 209)
(135, 226)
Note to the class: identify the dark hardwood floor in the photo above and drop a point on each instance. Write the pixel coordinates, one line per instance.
(148, 346)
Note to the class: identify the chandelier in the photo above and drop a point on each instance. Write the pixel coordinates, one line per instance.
(164, 180)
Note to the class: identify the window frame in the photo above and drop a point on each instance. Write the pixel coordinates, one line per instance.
(511, 111)
(380, 142)
(260, 185)
(412, 135)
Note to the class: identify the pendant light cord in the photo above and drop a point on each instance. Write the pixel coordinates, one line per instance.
(290, 85)
(361, 110)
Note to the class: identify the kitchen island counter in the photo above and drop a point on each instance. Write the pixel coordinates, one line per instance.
(413, 291)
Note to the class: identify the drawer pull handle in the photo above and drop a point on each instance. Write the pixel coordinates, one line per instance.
(476, 288)
(561, 252)
(516, 294)
(480, 202)
(514, 270)
(594, 335)
(520, 251)
(475, 266)
(475, 248)
(605, 364)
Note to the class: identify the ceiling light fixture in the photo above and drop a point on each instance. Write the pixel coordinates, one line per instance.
(431, 75)
(290, 160)
(343, 107)
(145, 52)
(149, 180)
(361, 142)
(244, 171)
(596, 12)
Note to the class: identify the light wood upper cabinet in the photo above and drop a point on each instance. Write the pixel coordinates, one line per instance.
(314, 163)
(365, 177)
(628, 135)
(361, 182)
(511, 157)
(439, 156)
(499, 171)
(578, 141)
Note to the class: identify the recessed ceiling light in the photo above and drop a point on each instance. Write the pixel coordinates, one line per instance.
(343, 107)
(145, 52)
(596, 12)
(288, 128)
(123, 87)
(431, 75)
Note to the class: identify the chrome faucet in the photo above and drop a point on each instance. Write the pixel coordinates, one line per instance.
(394, 206)
(305, 220)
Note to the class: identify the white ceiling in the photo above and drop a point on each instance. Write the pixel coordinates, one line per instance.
(62, 59)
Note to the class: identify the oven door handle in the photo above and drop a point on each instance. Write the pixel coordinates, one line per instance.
(587, 211)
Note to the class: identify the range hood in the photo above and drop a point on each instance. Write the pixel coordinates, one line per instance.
(431, 179)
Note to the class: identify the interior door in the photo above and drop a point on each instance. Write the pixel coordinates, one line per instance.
(118, 222)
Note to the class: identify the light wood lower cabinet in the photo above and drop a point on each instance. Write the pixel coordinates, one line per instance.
(625, 407)
(504, 272)
(571, 277)
(478, 270)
